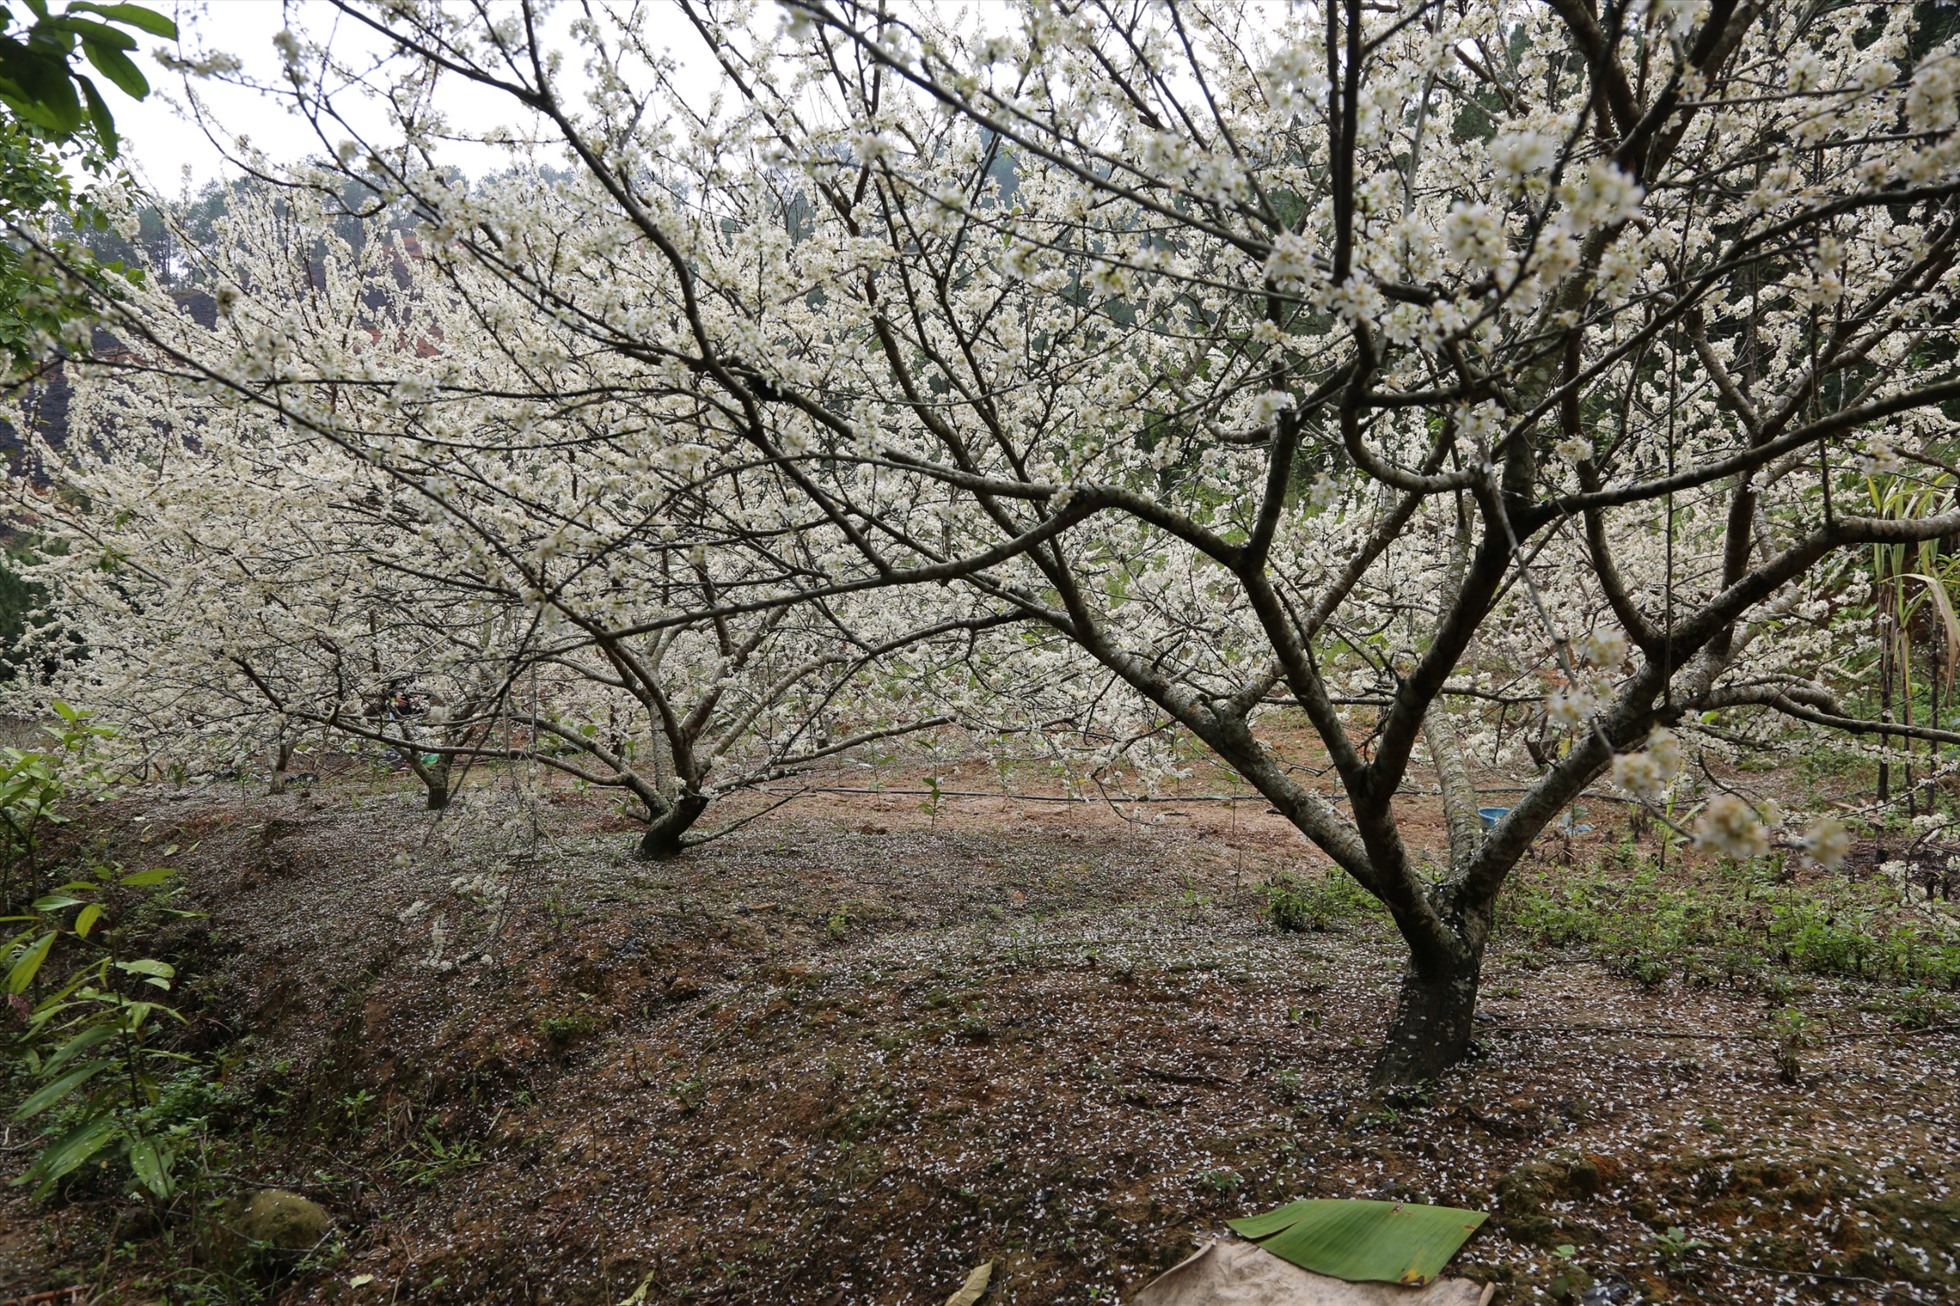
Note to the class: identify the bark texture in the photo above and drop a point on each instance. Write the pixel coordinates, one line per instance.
(1434, 1009)
(663, 838)
(1430, 1030)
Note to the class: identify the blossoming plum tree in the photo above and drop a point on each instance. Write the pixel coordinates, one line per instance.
(1373, 364)
(429, 544)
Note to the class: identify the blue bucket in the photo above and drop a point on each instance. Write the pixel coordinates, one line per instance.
(1492, 815)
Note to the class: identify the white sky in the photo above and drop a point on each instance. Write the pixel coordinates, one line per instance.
(159, 140)
(162, 141)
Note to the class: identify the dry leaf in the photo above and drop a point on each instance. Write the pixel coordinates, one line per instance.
(974, 1288)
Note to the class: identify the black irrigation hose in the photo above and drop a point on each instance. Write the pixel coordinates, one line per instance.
(1149, 798)
(1023, 798)
(1635, 1031)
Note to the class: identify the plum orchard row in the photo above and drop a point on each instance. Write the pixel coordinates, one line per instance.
(1100, 380)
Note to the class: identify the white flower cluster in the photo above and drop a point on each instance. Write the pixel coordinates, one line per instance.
(1571, 707)
(1730, 826)
(1473, 233)
(1291, 263)
(1647, 773)
(214, 63)
(1268, 405)
(1523, 155)
(1880, 459)
(1933, 100)
(1826, 842)
(485, 890)
(1604, 649)
(1603, 195)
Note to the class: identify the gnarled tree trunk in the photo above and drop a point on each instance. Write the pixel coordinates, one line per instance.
(663, 837)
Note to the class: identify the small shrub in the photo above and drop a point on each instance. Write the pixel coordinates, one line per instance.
(105, 1088)
(1792, 1034)
(1920, 1007)
(1222, 1182)
(1812, 937)
(1298, 906)
(562, 1029)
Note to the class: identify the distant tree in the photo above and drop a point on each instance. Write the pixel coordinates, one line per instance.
(444, 584)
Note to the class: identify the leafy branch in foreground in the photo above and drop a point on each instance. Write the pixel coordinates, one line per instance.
(91, 1043)
(89, 1049)
(54, 113)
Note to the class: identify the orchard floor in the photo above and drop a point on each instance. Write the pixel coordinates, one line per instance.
(861, 1046)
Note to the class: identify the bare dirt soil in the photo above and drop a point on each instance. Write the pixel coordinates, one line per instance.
(868, 1042)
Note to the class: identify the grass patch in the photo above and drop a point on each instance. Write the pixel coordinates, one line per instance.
(1729, 925)
(1301, 905)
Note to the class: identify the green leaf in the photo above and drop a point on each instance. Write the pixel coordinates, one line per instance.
(90, 30)
(93, 1036)
(1949, 618)
(98, 112)
(56, 901)
(143, 879)
(49, 1094)
(1363, 1241)
(86, 918)
(146, 966)
(118, 68)
(29, 965)
(151, 1165)
(143, 20)
(71, 1151)
(57, 1004)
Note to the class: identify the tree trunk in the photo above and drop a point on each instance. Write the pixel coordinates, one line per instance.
(1430, 1031)
(282, 762)
(663, 838)
(435, 781)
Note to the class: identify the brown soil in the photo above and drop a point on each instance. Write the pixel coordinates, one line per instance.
(859, 1047)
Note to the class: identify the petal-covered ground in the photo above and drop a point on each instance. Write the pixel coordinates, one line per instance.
(861, 1046)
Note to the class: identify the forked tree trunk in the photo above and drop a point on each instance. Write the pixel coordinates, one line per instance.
(434, 775)
(663, 837)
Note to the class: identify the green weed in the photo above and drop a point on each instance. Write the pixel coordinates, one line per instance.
(1299, 906)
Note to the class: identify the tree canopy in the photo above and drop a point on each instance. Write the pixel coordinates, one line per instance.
(1358, 390)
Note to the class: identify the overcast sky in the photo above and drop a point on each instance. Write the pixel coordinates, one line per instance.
(162, 140)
